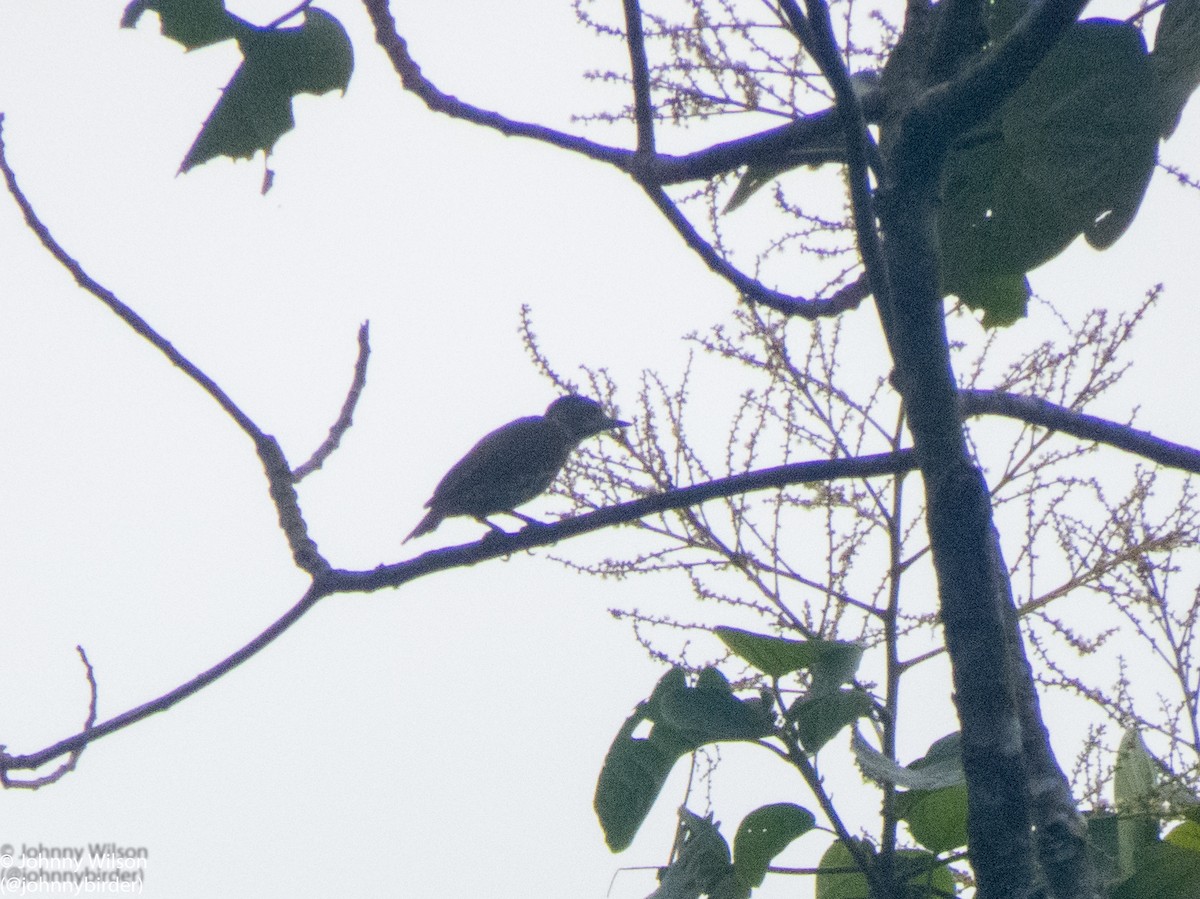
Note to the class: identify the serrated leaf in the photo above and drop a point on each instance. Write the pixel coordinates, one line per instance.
(1176, 59)
(763, 834)
(937, 819)
(255, 108)
(940, 767)
(833, 662)
(193, 23)
(820, 718)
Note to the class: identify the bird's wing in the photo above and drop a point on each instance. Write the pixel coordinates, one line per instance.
(503, 454)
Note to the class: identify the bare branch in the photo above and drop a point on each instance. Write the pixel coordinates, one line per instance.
(279, 474)
(69, 765)
(1036, 411)
(859, 147)
(494, 545)
(76, 743)
(346, 416)
(639, 70)
(752, 290)
(415, 81)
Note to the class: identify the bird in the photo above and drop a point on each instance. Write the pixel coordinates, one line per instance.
(515, 463)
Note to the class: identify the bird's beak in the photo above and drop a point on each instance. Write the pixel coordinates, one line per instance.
(617, 423)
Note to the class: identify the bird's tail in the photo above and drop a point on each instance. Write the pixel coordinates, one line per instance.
(427, 524)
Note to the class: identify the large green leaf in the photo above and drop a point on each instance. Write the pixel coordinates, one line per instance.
(834, 881)
(940, 767)
(1071, 152)
(923, 875)
(763, 834)
(1185, 835)
(1176, 59)
(683, 718)
(832, 662)
(937, 819)
(822, 716)
(1164, 871)
(193, 23)
(255, 108)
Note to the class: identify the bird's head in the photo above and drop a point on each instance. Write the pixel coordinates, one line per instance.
(580, 416)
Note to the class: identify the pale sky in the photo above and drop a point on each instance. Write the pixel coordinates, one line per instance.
(443, 739)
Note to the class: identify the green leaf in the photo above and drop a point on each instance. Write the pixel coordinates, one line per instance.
(1003, 299)
(710, 713)
(255, 108)
(924, 876)
(193, 23)
(835, 884)
(763, 834)
(1164, 871)
(1135, 779)
(833, 662)
(1135, 791)
(1070, 152)
(820, 718)
(1102, 837)
(701, 866)
(940, 767)
(683, 719)
(1176, 59)
(1185, 836)
(937, 819)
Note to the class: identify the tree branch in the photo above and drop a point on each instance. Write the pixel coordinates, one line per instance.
(415, 82)
(492, 546)
(639, 70)
(859, 146)
(278, 472)
(752, 290)
(648, 168)
(346, 417)
(1043, 413)
(76, 743)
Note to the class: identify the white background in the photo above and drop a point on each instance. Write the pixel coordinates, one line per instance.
(443, 739)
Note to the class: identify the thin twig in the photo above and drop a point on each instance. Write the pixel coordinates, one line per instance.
(90, 733)
(275, 465)
(752, 290)
(346, 417)
(73, 759)
(639, 69)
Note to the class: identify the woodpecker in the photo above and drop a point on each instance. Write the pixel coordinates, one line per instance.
(515, 463)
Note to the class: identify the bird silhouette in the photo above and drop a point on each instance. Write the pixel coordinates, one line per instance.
(514, 463)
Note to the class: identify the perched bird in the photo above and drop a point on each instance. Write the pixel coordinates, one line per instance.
(514, 463)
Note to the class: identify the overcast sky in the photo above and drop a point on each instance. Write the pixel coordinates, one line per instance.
(439, 740)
